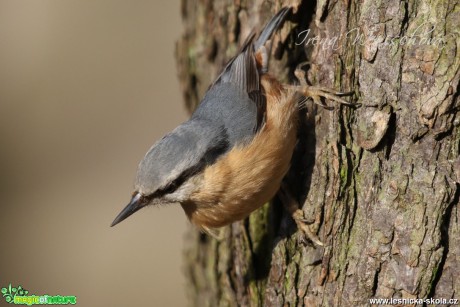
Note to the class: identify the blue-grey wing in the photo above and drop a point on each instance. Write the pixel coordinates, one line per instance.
(236, 97)
(226, 105)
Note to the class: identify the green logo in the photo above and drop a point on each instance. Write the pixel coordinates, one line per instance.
(10, 293)
(19, 296)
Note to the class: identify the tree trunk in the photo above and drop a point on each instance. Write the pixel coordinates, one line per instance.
(380, 182)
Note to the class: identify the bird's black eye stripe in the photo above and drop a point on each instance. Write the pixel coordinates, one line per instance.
(209, 157)
(176, 183)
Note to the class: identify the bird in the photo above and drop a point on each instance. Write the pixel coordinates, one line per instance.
(231, 156)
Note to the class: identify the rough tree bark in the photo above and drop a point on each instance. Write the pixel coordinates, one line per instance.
(380, 183)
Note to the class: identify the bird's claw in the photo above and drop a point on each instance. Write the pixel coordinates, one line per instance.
(316, 92)
(307, 233)
(292, 206)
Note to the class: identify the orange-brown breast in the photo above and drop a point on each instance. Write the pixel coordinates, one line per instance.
(249, 175)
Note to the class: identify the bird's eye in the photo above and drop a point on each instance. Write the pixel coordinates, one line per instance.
(170, 188)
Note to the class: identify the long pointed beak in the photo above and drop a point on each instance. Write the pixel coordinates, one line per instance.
(134, 205)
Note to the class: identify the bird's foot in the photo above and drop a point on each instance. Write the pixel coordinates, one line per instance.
(292, 206)
(216, 233)
(316, 92)
(303, 225)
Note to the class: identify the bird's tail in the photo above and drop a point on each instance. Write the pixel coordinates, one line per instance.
(240, 63)
(271, 27)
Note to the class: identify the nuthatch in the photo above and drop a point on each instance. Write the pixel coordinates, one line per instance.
(231, 156)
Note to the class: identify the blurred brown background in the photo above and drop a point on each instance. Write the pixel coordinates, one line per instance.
(85, 88)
